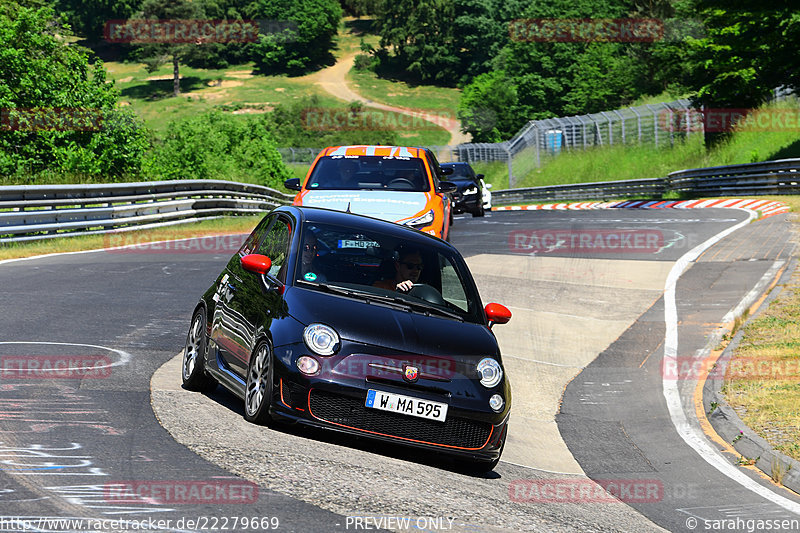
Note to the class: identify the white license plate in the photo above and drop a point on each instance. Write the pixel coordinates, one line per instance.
(406, 405)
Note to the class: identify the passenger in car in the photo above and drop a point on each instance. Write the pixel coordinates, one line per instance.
(408, 266)
(309, 270)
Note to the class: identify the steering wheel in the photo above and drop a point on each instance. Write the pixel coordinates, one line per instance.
(427, 293)
(401, 183)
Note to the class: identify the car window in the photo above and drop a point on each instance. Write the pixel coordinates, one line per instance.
(435, 169)
(251, 243)
(368, 173)
(452, 288)
(276, 246)
(370, 262)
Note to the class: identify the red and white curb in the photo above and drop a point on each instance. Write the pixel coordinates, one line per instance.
(765, 208)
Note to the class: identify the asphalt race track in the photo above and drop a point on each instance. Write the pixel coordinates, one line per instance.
(587, 293)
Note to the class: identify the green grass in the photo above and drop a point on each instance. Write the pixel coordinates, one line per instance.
(762, 383)
(440, 100)
(220, 226)
(150, 95)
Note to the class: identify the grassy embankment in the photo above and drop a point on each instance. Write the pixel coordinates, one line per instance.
(763, 380)
(640, 162)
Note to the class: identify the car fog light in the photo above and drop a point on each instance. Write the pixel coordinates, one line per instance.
(496, 403)
(321, 339)
(307, 365)
(490, 372)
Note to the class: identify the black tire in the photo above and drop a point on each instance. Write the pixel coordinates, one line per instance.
(193, 369)
(479, 212)
(258, 390)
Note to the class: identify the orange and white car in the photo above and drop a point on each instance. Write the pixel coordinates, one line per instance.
(396, 183)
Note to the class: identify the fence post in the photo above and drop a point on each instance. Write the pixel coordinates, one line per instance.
(638, 123)
(622, 121)
(610, 131)
(655, 123)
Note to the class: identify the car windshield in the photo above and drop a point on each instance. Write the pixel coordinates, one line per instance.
(370, 173)
(369, 265)
(459, 172)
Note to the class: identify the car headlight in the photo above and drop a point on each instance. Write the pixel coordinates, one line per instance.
(423, 220)
(470, 190)
(490, 371)
(321, 339)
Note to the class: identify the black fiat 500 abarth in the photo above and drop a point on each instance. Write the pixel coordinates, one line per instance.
(357, 325)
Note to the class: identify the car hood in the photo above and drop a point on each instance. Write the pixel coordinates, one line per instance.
(390, 328)
(391, 206)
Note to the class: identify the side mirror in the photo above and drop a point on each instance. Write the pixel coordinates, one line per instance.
(447, 186)
(446, 171)
(497, 313)
(480, 176)
(293, 184)
(260, 264)
(488, 185)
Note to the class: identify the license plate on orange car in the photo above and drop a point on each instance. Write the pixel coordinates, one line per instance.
(406, 405)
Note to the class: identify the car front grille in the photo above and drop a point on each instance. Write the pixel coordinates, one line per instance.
(351, 412)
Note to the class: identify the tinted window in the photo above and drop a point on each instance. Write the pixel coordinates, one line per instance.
(276, 246)
(370, 262)
(251, 243)
(369, 173)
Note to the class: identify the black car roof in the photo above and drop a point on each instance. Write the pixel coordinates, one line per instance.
(319, 215)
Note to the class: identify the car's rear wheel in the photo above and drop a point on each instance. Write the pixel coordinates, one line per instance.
(258, 390)
(193, 369)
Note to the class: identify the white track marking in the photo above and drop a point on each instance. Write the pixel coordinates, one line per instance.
(689, 432)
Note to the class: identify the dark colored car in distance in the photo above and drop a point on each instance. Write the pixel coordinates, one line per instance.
(471, 193)
(305, 324)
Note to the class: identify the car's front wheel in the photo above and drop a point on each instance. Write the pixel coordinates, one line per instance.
(479, 211)
(193, 369)
(258, 391)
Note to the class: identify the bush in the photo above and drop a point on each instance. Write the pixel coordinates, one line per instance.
(215, 145)
(59, 114)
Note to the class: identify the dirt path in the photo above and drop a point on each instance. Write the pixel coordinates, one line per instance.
(334, 81)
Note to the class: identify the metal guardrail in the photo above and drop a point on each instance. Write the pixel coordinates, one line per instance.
(750, 179)
(35, 212)
(583, 191)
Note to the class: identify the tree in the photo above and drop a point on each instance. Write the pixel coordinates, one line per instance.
(59, 112)
(156, 54)
(88, 18)
(749, 50)
(305, 42)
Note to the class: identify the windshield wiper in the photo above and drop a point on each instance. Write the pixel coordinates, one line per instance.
(363, 295)
(396, 301)
(429, 308)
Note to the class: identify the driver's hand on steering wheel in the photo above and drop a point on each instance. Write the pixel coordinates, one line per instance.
(405, 286)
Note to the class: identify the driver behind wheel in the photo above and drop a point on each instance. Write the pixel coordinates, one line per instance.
(408, 268)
